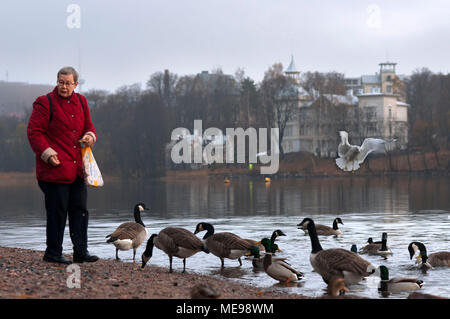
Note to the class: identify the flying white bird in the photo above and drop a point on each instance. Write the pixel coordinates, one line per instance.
(350, 156)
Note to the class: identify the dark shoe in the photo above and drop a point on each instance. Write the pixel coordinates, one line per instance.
(84, 258)
(59, 259)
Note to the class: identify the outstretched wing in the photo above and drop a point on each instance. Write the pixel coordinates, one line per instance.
(375, 145)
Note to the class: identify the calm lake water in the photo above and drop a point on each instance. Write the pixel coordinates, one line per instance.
(407, 208)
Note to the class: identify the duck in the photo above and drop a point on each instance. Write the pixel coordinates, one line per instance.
(129, 235)
(377, 248)
(270, 243)
(204, 291)
(280, 270)
(223, 245)
(269, 247)
(397, 284)
(325, 230)
(277, 268)
(174, 241)
(336, 262)
(437, 259)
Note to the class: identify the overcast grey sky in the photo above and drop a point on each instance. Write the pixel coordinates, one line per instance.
(123, 42)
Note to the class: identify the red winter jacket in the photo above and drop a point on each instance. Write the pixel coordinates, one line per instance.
(59, 136)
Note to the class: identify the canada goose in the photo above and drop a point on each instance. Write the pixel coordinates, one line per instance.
(174, 241)
(129, 235)
(325, 230)
(336, 287)
(336, 262)
(350, 156)
(397, 284)
(380, 249)
(370, 241)
(437, 259)
(354, 248)
(204, 291)
(223, 245)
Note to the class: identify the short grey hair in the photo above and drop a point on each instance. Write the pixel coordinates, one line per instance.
(68, 70)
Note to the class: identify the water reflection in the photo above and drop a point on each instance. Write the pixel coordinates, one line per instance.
(407, 208)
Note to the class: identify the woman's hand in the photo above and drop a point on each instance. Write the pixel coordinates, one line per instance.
(87, 139)
(54, 161)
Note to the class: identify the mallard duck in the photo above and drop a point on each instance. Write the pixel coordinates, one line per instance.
(379, 249)
(437, 259)
(397, 284)
(223, 245)
(336, 262)
(204, 291)
(174, 241)
(269, 247)
(277, 268)
(129, 235)
(325, 230)
(271, 243)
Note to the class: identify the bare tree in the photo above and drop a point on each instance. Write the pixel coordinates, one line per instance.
(280, 97)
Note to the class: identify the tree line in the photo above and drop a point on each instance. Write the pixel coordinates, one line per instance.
(134, 124)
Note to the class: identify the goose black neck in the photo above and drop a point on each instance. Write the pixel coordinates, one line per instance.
(384, 242)
(384, 245)
(274, 236)
(315, 243)
(149, 248)
(335, 225)
(209, 230)
(137, 216)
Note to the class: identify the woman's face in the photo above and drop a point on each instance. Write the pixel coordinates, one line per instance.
(66, 85)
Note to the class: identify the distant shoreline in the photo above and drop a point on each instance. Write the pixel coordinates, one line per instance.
(297, 165)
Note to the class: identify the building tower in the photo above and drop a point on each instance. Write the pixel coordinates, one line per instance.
(387, 76)
(292, 71)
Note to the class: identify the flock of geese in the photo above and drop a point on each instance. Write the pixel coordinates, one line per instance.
(338, 267)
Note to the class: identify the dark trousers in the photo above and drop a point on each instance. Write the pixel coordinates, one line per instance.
(60, 199)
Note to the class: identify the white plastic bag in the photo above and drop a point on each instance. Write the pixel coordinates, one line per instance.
(92, 174)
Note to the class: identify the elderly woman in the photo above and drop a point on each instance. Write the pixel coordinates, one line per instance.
(57, 125)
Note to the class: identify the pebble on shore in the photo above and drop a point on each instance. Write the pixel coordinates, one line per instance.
(23, 274)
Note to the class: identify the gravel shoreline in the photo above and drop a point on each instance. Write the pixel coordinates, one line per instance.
(23, 275)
